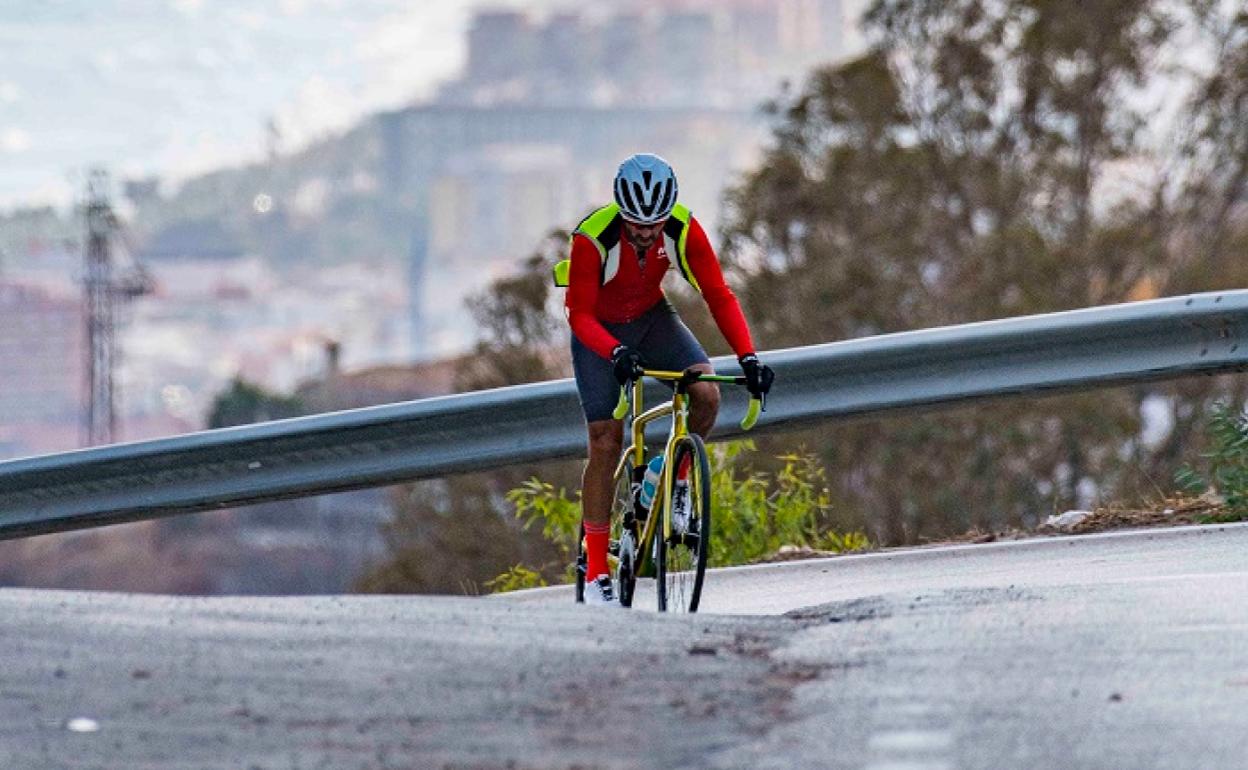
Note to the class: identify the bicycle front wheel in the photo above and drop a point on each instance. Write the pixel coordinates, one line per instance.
(680, 559)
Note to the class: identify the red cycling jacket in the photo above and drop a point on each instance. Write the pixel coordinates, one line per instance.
(633, 291)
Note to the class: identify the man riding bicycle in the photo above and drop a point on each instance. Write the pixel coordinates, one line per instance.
(621, 320)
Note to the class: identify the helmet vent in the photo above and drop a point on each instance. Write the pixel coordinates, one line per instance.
(645, 188)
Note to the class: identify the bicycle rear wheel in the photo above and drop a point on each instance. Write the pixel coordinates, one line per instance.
(680, 560)
(581, 562)
(622, 551)
(624, 535)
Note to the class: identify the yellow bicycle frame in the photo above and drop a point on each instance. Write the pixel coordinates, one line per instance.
(635, 455)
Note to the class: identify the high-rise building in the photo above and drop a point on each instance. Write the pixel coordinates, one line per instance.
(566, 58)
(489, 206)
(690, 65)
(632, 59)
(727, 53)
(501, 45)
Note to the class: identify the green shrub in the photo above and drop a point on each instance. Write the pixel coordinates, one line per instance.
(560, 517)
(517, 578)
(753, 514)
(1226, 463)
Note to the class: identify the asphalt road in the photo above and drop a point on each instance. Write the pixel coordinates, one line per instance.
(1120, 651)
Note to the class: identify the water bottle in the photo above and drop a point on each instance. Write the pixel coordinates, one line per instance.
(650, 481)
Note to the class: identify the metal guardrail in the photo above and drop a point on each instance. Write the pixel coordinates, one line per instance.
(1158, 339)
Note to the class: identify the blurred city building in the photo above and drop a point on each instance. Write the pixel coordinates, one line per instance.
(696, 53)
(216, 319)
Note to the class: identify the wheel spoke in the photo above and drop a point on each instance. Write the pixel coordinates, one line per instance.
(683, 570)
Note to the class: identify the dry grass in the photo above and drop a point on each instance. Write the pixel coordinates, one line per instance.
(1167, 512)
(1171, 512)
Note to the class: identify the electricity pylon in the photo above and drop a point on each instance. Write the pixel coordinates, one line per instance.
(102, 290)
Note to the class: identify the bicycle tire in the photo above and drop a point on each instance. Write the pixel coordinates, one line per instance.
(681, 562)
(626, 562)
(580, 566)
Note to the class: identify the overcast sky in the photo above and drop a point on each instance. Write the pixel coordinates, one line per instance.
(176, 87)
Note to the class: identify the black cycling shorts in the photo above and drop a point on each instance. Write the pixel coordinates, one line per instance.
(661, 338)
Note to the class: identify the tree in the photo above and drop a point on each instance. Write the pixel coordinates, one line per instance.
(244, 403)
(958, 172)
(1215, 151)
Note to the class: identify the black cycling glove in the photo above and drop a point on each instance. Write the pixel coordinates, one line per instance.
(626, 364)
(758, 376)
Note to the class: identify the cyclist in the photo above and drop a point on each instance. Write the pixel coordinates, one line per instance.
(621, 320)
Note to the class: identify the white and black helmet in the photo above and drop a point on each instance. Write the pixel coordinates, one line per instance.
(645, 188)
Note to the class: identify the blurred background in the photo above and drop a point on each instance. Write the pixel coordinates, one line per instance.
(217, 212)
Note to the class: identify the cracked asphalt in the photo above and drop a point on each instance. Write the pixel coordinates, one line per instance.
(1098, 652)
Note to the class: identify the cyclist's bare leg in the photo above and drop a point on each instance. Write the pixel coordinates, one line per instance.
(606, 441)
(703, 403)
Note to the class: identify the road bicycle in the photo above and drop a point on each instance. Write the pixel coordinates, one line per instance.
(646, 541)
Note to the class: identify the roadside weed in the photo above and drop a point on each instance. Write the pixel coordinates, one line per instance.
(1226, 464)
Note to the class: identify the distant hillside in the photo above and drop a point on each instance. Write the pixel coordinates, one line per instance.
(323, 205)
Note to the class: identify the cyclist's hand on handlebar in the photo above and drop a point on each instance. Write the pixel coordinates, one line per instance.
(626, 364)
(758, 376)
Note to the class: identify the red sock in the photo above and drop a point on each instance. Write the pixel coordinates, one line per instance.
(682, 473)
(596, 541)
